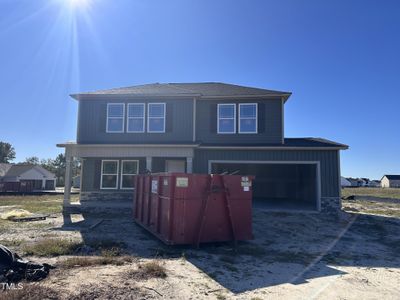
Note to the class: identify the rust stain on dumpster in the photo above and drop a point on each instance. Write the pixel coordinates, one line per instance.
(182, 208)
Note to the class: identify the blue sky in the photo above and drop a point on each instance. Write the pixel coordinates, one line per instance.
(341, 60)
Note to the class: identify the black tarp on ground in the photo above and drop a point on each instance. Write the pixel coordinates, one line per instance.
(14, 269)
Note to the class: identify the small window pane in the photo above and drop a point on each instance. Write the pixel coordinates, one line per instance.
(136, 125)
(129, 167)
(115, 110)
(110, 167)
(227, 111)
(248, 125)
(156, 110)
(109, 181)
(136, 110)
(115, 124)
(156, 124)
(128, 181)
(248, 111)
(226, 125)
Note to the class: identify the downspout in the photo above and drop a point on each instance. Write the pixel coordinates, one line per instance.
(194, 119)
(283, 121)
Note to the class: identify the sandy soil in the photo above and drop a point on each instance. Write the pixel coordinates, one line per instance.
(293, 256)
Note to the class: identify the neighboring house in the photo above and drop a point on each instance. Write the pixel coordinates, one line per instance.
(344, 182)
(356, 182)
(200, 128)
(375, 183)
(390, 181)
(365, 181)
(40, 178)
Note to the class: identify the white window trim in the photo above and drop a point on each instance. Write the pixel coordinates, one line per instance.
(128, 118)
(244, 118)
(148, 117)
(234, 117)
(116, 174)
(123, 118)
(122, 170)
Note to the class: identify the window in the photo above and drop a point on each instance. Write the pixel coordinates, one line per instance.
(115, 117)
(129, 169)
(156, 117)
(109, 174)
(135, 117)
(248, 118)
(226, 118)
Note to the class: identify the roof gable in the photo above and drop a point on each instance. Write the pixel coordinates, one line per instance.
(20, 169)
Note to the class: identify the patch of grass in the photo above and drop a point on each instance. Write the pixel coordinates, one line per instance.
(83, 261)
(12, 243)
(51, 247)
(153, 269)
(109, 291)
(111, 252)
(105, 244)
(45, 204)
(30, 292)
(374, 192)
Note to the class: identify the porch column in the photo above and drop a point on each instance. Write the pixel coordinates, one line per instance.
(189, 165)
(148, 163)
(67, 177)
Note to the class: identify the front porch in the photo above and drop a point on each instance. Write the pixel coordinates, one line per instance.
(149, 158)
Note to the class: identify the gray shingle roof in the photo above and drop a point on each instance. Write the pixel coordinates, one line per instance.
(392, 177)
(18, 170)
(201, 89)
(308, 142)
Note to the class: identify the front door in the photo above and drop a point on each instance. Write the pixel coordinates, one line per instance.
(175, 166)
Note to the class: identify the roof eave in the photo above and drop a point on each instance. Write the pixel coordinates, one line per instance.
(78, 97)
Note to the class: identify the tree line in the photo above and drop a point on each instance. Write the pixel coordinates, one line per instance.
(56, 165)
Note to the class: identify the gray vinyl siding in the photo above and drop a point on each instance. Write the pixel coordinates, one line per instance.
(92, 118)
(92, 171)
(269, 123)
(328, 162)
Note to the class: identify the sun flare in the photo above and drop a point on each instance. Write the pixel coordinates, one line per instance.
(78, 3)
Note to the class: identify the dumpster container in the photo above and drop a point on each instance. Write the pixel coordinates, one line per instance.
(184, 208)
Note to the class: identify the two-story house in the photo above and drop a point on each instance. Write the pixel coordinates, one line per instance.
(200, 128)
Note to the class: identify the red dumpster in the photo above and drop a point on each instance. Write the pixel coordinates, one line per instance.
(194, 208)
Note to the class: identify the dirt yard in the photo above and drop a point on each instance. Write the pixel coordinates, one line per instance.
(293, 256)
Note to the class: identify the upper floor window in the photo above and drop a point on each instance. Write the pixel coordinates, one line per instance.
(248, 118)
(226, 118)
(115, 117)
(135, 117)
(156, 118)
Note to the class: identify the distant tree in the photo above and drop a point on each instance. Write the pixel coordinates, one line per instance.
(59, 168)
(7, 152)
(48, 164)
(33, 160)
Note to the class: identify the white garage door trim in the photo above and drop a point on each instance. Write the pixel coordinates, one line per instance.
(316, 163)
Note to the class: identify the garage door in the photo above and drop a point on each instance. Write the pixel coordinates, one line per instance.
(288, 185)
